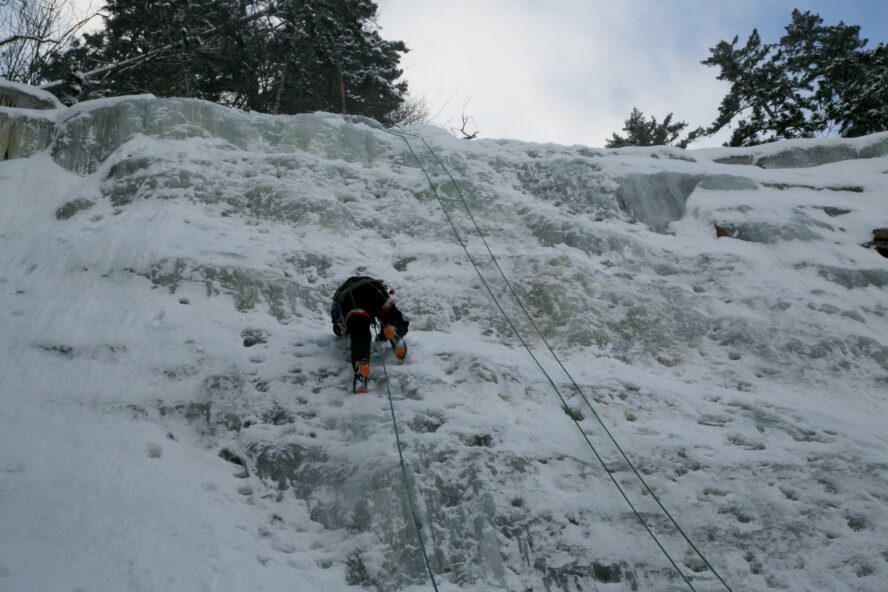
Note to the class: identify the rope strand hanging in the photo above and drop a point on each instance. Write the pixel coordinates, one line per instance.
(417, 524)
(515, 296)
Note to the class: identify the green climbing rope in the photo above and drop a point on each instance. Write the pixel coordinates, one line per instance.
(572, 381)
(515, 296)
(417, 525)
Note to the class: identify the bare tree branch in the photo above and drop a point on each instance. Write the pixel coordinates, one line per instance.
(15, 38)
(33, 31)
(466, 135)
(77, 27)
(412, 111)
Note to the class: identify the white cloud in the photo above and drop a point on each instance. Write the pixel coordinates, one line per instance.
(567, 71)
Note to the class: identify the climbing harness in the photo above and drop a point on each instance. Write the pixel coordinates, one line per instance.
(347, 290)
(459, 240)
(417, 525)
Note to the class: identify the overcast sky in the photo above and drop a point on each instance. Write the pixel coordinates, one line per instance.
(570, 71)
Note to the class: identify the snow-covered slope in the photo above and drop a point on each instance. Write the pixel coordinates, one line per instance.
(165, 275)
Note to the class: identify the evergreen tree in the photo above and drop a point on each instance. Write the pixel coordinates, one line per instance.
(330, 58)
(863, 108)
(809, 83)
(300, 56)
(162, 50)
(641, 132)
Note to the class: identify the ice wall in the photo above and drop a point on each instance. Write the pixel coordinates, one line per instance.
(23, 134)
(92, 133)
(23, 96)
(24, 130)
(203, 245)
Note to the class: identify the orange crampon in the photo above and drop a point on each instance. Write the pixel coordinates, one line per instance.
(397, 343)
(362, 374)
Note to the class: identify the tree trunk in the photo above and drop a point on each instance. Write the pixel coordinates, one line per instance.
(280, 91)
(186, 79)
(276, 109)
(341, 87)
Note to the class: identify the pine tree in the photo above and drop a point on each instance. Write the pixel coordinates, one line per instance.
(863, 108)
(301, 56)
(641, 132)
(333, 59)
(814, 81)
(178, 60)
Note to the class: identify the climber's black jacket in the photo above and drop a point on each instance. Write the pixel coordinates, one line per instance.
(358, 303)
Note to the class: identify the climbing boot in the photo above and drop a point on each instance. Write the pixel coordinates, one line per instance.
(398, 344)
(362, 375)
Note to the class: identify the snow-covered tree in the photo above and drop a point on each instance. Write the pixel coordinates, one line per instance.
(161, 47)
(287, 57)
(332, 58)
(812, 82)
(863, 108)
(643, 132)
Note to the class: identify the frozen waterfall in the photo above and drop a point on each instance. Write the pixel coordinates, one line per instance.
(178, 415)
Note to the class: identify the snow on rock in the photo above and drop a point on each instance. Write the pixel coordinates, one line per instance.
(802, 154)
(24, 96)
(178, 415)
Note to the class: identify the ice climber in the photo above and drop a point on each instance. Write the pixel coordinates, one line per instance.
(360, 302)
